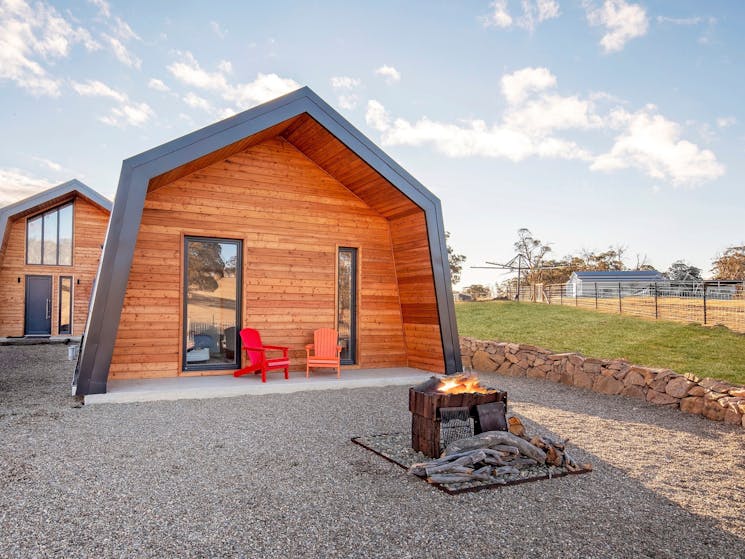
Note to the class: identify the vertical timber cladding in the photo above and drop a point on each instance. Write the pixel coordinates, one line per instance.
(291, 216)
(89, 230)
(417, 292)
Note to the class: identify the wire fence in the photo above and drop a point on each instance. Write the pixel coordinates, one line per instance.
(709, 302)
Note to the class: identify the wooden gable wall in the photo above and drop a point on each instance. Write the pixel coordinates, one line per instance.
(291, 216)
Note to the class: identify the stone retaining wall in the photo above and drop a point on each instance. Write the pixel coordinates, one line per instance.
(714, 399)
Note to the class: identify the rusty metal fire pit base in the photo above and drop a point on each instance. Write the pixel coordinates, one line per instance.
(396, 448)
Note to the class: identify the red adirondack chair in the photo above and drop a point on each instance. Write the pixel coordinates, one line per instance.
(256, 355)
(326, 351)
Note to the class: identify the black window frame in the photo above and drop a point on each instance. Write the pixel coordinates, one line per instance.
(190, 368)
(41, 216)
(59, 305)
(352, 360)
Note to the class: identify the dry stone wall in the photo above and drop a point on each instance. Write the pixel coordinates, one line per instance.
(711, 398)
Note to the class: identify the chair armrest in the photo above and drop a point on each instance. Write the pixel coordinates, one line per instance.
(279, 347)
(309, 346)
(254, 348)
(338, 350)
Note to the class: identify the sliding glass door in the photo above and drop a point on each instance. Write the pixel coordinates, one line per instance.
(346, 307)
(212, 303)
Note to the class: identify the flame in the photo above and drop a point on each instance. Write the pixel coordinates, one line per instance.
(462, 384)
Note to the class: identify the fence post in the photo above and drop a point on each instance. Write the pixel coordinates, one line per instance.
(656, 313)
(561, 295)
(620, 308)
(704, 303)
(596, 295)
(576, 290)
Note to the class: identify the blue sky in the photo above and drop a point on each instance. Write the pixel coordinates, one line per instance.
(593, 123)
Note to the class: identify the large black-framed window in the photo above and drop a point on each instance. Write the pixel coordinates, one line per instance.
(49, 237)
(64, 325)
(212, 303)
(346, 306)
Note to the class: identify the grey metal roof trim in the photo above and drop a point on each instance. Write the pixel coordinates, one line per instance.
(59, 191)
(91, 373)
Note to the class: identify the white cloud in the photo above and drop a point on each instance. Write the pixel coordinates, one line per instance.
(157, 85)
(95, 88)
(128, 114)
(217, 30)
(726, 121)
(103, 7)
(242, 95)
(197, 102)
(622, 22)
(16, 185)
(652, 143)
(344, 82)
(533, 12)
(390, 74)
(680, 20)
(540, 122)
(48, 163)
(519, 84)
(225, 66)
(30, 37)
(122, 30)
(122, 53)
(345, 86)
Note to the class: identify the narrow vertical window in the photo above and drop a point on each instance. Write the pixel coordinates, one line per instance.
(65, 236)
(346, 310)
(65, 305)
(212, 302)
(33, 240)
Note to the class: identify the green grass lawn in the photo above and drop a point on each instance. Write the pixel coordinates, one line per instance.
(685, 348)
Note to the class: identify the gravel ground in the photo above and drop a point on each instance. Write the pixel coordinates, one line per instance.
(277, 476)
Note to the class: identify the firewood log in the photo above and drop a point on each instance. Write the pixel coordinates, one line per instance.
(489, 439)
(505, 471)
(482, 474)
(449, 478)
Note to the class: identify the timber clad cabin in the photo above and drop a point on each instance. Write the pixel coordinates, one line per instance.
(283, 218)
(51, 245)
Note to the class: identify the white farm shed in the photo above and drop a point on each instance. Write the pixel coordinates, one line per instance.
(606, 283)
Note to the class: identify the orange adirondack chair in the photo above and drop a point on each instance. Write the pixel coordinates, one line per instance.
(326, 351)
(256, 355)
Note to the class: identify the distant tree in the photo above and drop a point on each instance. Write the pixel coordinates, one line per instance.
(680, 271)
(611, 259)
(531, 253)
(454, 260)
(642, 263)
(206, 266)
(478, 291)
(730, 264)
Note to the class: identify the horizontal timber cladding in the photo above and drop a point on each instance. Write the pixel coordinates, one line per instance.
(417, 292)
(89, 230)
(291, 216)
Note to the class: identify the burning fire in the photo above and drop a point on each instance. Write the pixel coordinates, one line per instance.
(463, 384)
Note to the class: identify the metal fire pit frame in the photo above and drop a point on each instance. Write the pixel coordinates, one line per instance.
(472, 489)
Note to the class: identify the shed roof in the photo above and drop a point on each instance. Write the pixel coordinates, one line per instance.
(317, 130)
(48, 199)
(618, 275)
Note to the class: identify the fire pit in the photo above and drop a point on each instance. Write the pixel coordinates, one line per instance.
(447, 409)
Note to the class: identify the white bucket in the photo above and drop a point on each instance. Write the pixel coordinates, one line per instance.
(72, 352)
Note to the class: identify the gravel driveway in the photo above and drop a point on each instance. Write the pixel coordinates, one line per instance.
(277, 476)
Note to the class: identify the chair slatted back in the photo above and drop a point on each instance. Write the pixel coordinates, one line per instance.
(325, 341)
(252, 338)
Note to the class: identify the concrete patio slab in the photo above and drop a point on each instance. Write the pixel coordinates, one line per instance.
(225, 386)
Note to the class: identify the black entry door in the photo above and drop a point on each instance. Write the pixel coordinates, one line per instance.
(38, 305)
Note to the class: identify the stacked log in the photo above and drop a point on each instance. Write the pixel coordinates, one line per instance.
(496, 457)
